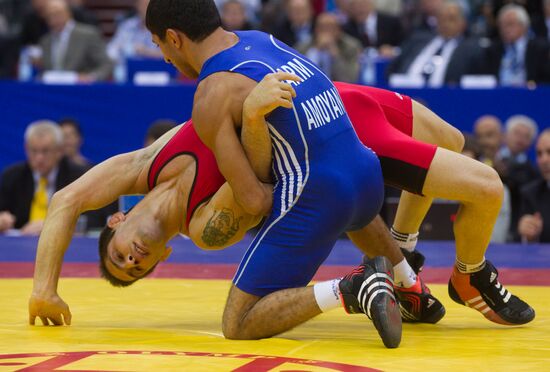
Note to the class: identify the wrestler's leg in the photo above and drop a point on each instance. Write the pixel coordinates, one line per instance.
(430, 128)
(479, 190)
(476, 186)
(375, 240)
(247, 317)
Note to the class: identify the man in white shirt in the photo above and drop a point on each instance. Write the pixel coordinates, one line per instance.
(443, 58)
(516, 59)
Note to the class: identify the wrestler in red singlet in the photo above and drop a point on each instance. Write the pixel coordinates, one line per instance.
(208, 178)
(382, 119)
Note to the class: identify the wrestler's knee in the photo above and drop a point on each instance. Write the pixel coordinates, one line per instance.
(455, 140)
(230, 330)
(235, 321)
(236, 330)
(492, 190)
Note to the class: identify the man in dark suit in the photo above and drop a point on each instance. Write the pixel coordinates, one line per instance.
(515, 59)
(373, 29)
(72, 46)
(27, 187)
(534, 223)
(46, 171)
(443, 58)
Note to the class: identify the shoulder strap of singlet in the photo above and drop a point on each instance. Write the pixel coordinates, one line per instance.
(247, 57)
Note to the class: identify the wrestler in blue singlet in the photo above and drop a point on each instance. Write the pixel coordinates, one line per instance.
(327, 182)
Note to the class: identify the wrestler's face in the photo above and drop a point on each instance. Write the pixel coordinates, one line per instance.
(543, 155)
(138, 244)
(175, 53)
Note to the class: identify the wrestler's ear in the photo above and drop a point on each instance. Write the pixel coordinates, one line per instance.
(116, 219)
(167, 252)
(174, 38)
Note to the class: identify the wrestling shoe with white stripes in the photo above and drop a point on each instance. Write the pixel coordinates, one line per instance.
(483, 292)
(368, 289)
(418, 305)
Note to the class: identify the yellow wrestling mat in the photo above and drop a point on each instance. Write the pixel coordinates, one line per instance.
(175, 325)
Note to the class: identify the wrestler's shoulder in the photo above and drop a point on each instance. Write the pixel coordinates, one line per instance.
(220, 85)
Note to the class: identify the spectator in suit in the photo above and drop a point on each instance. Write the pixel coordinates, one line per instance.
(27, 187)
(443, 58)
(297, 25)
(34, 24)
(72, 46)
(336, 53)
(515, 59)
(233, 14)
(72, 142)
(132, 39)
(534, 221)
(373, 29)
(513, 164)
(520, 133)
(488, 133)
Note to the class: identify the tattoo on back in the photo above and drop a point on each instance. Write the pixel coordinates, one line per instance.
(221, 227)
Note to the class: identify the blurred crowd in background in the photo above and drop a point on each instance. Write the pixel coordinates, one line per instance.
(423, 42)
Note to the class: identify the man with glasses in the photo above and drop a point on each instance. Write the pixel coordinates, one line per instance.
(27, 187)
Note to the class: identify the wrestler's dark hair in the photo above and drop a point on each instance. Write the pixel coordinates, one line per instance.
(197, 19)
(104, 239)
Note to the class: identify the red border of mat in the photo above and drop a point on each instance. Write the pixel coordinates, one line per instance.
(225, 271)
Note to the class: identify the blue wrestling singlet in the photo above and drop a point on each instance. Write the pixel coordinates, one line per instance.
(327, 182)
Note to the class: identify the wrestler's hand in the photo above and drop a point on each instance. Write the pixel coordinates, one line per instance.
(271, 92)
(50, 309)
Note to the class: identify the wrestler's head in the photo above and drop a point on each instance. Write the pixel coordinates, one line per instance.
(130, 247)
(177, 24)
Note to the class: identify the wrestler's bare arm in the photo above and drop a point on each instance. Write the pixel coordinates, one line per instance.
(100, 186)
(221, 221)
(217, 109)
(270, 93)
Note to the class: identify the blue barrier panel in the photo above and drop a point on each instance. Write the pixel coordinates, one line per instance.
(438, 253)
(114, 118)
